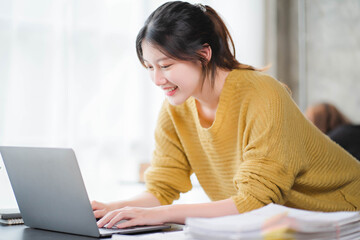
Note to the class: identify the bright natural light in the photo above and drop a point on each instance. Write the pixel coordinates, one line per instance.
(69, 77)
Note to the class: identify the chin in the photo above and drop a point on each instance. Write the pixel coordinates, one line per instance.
(175, 102)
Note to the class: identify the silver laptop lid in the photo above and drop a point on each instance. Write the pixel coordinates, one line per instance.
(49, 189)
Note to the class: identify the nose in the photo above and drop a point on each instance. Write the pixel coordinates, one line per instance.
(158, 77)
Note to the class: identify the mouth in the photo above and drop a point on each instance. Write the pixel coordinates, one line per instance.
(170, 91)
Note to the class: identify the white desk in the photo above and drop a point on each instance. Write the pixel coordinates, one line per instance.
(21, 232)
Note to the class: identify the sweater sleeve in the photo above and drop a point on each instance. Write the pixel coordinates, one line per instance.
(268, 167)
(170, 171)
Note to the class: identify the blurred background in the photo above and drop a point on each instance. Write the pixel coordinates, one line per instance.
(69, 75)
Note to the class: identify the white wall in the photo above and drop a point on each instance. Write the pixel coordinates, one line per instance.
(246, 22)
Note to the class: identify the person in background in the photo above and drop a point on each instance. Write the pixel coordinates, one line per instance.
(326, 117)
(232, 125)
(339, 128)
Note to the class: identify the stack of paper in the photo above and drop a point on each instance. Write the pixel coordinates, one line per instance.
(277, 222)
(10, 216)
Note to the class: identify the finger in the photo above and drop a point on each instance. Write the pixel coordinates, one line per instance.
(99, 213)
(120, 216)
(106, 219)
(96, 205)
(129, 223)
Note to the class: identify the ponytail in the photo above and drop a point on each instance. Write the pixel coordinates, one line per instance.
(227, 55)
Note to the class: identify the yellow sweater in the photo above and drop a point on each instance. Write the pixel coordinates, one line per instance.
(259, 150)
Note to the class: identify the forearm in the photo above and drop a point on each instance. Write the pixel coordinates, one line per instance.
(179, 212)
(165, 214)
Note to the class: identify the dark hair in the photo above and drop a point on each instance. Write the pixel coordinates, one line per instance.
(180, 30)
(326, 117)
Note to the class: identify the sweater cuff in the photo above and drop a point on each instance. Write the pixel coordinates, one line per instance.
(162, 200)
(246, 203)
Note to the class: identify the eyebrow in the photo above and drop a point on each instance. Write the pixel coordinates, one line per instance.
(159, 60)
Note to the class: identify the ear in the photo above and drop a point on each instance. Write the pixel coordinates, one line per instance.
(206, 52)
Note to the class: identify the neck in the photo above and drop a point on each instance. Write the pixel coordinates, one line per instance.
(208, 99)
(209, 96)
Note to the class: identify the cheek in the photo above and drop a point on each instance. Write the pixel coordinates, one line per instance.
(188, 75)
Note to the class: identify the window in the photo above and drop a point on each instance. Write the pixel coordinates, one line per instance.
(69, 77)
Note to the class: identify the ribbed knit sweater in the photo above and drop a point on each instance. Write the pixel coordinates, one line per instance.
(260, 149)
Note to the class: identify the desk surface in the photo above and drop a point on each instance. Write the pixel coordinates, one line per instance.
(22, 232)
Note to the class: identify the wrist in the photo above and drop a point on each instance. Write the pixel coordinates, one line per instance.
(167, 213)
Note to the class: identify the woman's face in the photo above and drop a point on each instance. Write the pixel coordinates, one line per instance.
(178, 79)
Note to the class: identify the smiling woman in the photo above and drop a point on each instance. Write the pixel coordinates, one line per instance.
(233, 126)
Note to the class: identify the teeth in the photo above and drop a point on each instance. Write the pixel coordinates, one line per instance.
(170, 89)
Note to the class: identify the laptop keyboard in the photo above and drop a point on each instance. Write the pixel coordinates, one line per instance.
(114, 227)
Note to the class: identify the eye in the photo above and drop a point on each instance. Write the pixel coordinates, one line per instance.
(149, 67)
(165, 66)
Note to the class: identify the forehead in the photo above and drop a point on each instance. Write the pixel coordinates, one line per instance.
(151, 53)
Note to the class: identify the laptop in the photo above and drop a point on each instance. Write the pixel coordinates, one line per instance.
(51, 194)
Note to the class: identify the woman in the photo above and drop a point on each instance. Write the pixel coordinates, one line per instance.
(236, 128)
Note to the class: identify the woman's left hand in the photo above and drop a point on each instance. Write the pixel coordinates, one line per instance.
(135, 216)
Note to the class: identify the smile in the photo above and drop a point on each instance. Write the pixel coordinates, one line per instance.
(170, 91)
